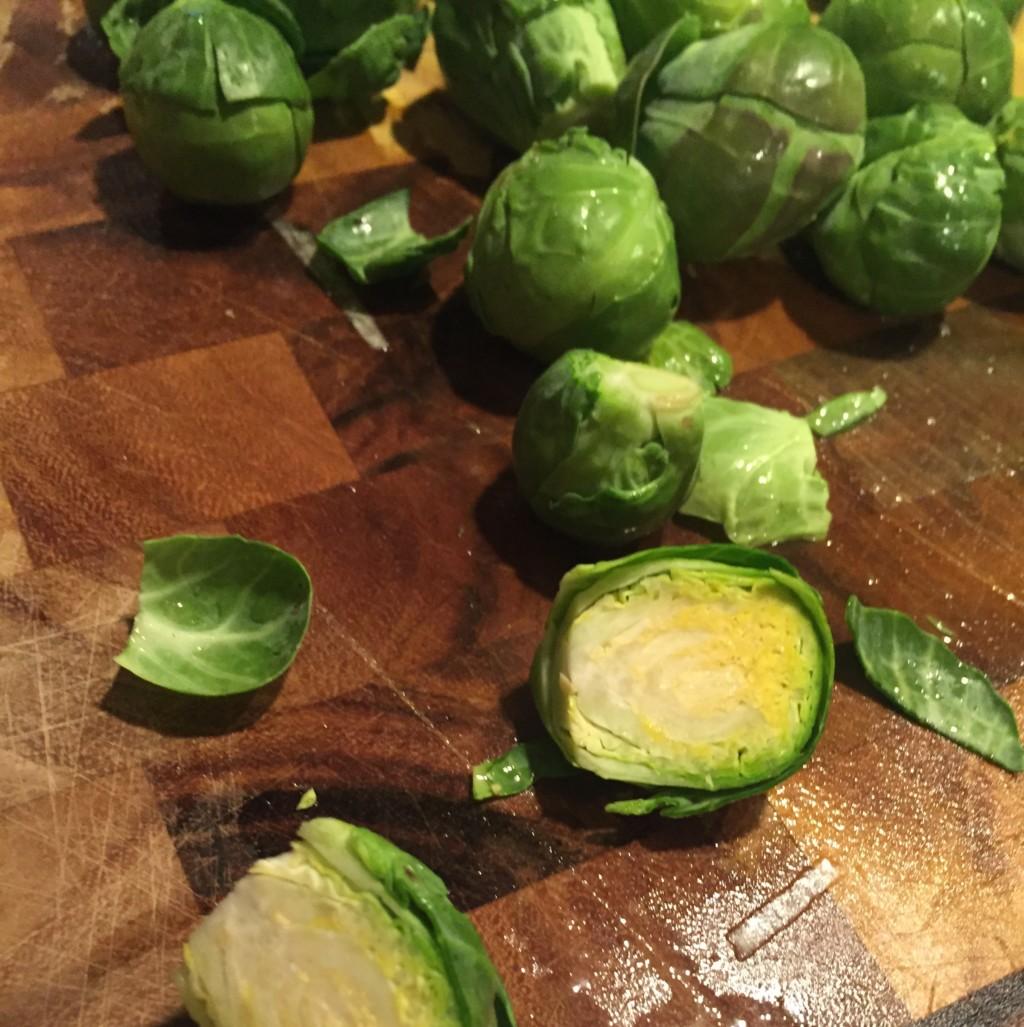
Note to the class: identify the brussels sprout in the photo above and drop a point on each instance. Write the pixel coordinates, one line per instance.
(216, 103)
(707, 669)
(928, 51)
(574, 248)
(683, 348)
(345, 928)
(641, 20)
(920, 219)
(1008, 128)
(750, 134)
(606, 450)
(529, 69)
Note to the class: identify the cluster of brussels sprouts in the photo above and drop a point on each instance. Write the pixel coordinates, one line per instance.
(218, 94)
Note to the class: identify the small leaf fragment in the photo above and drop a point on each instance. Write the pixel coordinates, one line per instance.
(926, 680)
(516, 770)
(307, 800)
(376, 242)
(846, 412)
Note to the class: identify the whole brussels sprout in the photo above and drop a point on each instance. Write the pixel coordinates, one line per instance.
(1008, 128)
(920, 220)
(529, 69)
(573, 247)
(921, 51)
(606, 450)
(345, 928)
(641, 20)
(216, 103)
(707, 669)
(750, 134)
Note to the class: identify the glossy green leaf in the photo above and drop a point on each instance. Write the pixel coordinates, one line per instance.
(376, 241)
(368, 930)
(374, 61)
(846, 412)
(925, 680)
(574, 249)
(517, 769)
(758, 475)
(684, 349)
(217, 615)
(604, 449)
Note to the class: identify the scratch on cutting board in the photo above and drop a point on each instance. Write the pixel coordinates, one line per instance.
(763, 924)
(303, 244)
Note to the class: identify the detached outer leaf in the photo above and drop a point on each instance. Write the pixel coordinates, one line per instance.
(217, 615)
(418, 892)
(758, 475)
(925, 680)
(376, 242)
(846, 412)
(585, 583)
(516, 770)
(374, 61)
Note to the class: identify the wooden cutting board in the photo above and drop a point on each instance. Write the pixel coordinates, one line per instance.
(164, 370)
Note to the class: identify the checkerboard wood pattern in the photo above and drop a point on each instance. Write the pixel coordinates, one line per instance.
(164, 369)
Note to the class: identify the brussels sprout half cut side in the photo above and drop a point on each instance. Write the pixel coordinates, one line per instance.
(345, 928)
(702, 668)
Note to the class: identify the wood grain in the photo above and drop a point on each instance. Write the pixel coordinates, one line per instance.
(166, 369)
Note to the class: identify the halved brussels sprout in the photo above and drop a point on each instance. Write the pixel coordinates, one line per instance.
(928, 51)
(920, 220)
(345, 928)
(606, 450)
(706, 669)
(529, 69)
(1008, 128)
(573, 247)
(216, 103)
(641, 20)
(750, 134)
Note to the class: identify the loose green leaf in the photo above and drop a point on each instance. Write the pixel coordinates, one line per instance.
(846, 412)
(758, 475)
(376, 242)
(217, 616)
(307, 800)
(678, 803)
(684, 349)
(372, 62)
(922, 677)
(517, 770)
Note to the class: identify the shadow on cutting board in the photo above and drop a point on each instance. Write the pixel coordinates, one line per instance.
(185, 716)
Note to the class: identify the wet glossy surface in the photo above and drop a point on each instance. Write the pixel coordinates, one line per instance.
(164, 369)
